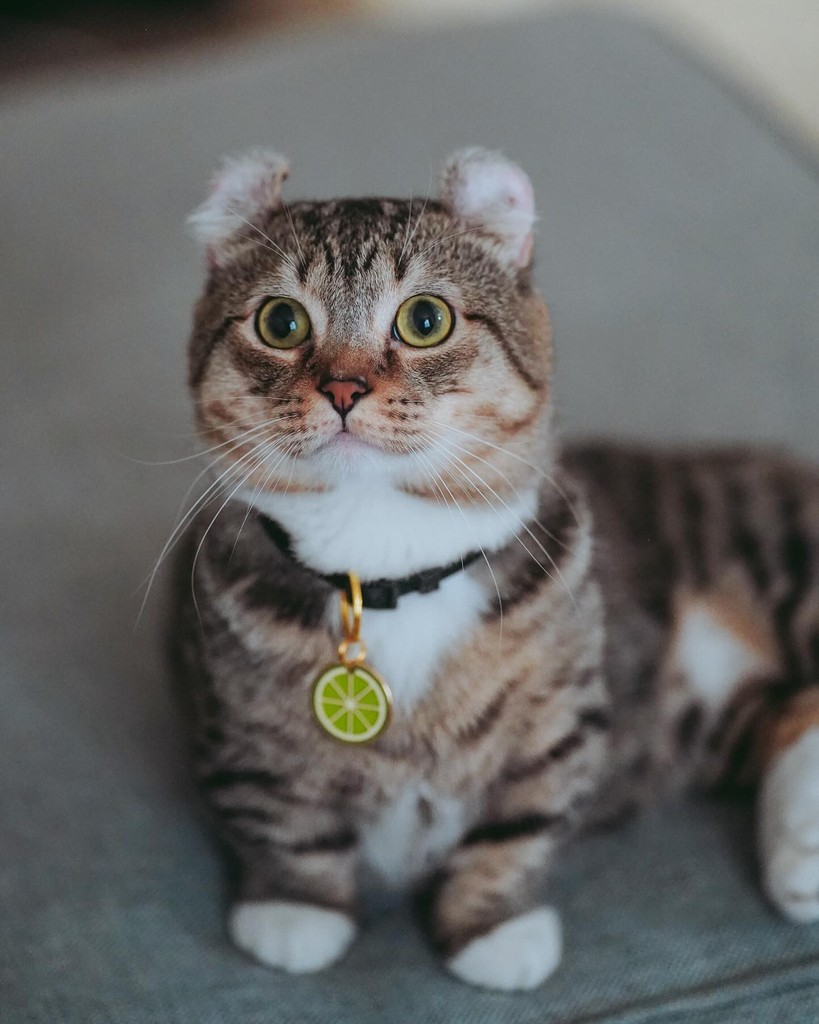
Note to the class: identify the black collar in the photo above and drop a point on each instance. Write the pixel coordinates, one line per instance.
(381, 593)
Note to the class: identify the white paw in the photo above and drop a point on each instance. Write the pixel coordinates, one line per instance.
(789, 829)
(518, 954)
(296, 936)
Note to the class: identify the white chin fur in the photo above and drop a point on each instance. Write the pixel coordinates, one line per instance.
(788, 826)
(295, 936)
(518, 954)
(370, 526)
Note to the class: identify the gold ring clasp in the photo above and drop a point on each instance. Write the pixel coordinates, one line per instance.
(351, 609)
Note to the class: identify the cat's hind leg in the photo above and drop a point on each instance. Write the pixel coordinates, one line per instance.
(722, 667)
(753, 727)
(788, 809)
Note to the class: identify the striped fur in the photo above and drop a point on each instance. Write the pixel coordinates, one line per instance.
(639, 621)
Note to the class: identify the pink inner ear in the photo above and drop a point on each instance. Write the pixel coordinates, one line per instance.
(521, 197)
(524, 256)
(246, 186)
(241, 187)
(491, 190)
(521, 194)
(490, 183)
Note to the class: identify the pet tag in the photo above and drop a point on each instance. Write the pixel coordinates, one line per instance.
(350, 701)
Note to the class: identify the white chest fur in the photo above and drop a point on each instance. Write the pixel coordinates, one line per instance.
(406, 644)
(411, 835)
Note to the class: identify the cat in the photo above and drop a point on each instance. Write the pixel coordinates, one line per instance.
(565, 631)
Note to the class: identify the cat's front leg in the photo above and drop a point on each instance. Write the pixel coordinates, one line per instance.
(298, 937)
(294, 903)
(484, 915)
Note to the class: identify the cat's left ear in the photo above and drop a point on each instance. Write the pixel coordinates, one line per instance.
(486, 190)
(244, 188)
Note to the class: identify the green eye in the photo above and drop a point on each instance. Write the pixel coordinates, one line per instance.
(423, 321)
(282, 323)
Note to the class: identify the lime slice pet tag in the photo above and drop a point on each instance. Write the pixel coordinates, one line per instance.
(351, 703)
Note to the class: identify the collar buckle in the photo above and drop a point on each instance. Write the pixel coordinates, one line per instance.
(381, 594)
(428, 580)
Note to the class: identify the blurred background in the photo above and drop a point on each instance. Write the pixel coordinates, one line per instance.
(770, 47)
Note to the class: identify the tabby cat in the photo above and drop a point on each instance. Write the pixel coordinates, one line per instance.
(564, 633)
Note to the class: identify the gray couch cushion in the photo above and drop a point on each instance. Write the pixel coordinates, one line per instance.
(678, 246)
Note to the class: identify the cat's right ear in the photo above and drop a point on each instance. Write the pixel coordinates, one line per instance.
(245, 188)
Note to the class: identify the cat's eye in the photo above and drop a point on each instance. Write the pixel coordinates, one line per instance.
(282, 322)
(423, 321)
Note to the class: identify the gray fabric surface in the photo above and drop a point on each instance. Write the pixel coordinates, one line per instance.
(678, 246)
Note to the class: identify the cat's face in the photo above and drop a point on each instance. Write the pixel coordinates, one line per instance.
(372, 336)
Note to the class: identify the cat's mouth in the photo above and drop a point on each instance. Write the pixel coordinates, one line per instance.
(350, 451)
(345, 440)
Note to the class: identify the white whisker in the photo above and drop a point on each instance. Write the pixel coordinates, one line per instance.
(437, 475)
(263, 245)
(293, 232)
(206, 401)
(209, 466)
(202, 472)
(275, 247)
(512, 455)
(290, 477)
(230, 443)
(454, 461)
(406, 232)
(486, 462)
(260, 460)
(205, 470)
(201, 502)
(408, 241)
(443, 238)
(283, 455)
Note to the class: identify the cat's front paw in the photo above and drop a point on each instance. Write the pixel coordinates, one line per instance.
(789, 829)
(518, 954)
(298, 937)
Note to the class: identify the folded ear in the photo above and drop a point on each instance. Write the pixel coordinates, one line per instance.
(485, 189)
(244, 188)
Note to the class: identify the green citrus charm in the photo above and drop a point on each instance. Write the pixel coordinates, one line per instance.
(351, 703)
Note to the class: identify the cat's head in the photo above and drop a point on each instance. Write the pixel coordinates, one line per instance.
(389, 337)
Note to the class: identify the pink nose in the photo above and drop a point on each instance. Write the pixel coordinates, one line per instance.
(343, 392)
